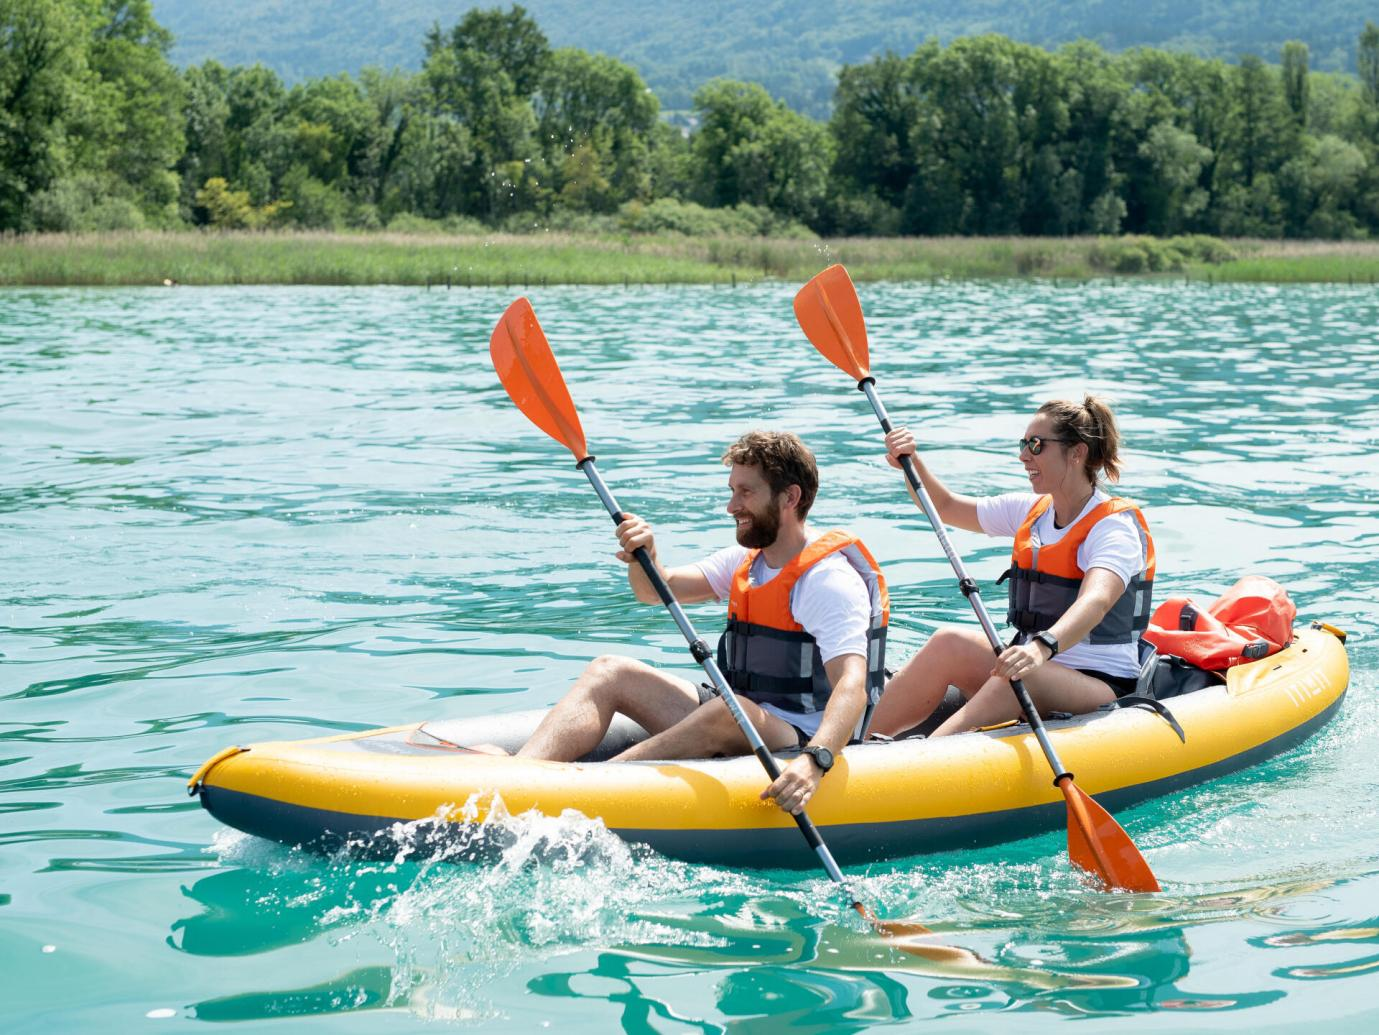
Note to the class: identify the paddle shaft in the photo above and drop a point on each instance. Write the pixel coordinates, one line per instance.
(968, 586)
(704, 656)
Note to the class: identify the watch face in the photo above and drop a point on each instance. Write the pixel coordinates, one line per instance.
(823, 756)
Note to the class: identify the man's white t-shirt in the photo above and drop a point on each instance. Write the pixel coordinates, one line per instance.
(1113, 543)
(829, 600)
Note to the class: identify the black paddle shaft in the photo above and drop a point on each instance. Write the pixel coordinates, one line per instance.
(967, 584)
(704, 656)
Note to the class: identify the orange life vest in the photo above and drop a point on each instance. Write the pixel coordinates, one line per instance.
(766, 654)
(1045, 580)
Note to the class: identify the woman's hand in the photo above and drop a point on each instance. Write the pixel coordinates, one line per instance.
(796, 785)
(1019, 661)
(899, 442)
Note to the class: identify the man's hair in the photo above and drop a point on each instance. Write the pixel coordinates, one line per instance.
(784, 461)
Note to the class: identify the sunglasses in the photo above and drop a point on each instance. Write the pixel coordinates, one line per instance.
(1036, 443)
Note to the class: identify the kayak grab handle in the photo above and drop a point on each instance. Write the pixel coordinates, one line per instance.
(194, 784)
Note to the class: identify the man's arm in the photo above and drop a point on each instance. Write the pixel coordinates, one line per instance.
(798, 781)
(688, 584)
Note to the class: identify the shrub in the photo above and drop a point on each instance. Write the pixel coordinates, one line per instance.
(83, 203)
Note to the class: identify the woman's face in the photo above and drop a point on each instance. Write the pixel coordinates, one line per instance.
(1057, 464)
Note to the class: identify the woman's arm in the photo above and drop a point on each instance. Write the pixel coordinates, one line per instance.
(953, 509)
(1101, 588)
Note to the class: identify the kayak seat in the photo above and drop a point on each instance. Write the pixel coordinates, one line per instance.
(1163, 676)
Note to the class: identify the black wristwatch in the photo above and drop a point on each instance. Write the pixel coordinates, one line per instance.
(822, 756)
(1049, 640)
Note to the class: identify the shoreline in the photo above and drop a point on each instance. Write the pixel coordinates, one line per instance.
(193, 258)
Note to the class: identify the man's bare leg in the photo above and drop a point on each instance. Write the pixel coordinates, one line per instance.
(711, 730)
(610, 684)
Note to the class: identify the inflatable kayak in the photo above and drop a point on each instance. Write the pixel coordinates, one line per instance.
(881, 800)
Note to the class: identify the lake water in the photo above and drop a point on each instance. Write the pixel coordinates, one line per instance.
(232, 515)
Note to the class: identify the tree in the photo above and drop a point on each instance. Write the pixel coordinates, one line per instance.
(1295, 80)
(45, 84)
(876, 108)
(1173, 197)
(599, 109)
(752, 150)
(1367, 62)
(136, 136)
(512, 41)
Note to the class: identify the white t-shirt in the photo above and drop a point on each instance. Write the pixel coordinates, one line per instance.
(829, 600)
(1113, 543)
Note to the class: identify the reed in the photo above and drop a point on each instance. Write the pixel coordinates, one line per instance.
(190, 257)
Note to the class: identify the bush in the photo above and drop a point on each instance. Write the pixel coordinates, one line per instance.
(410, 223)
(228, 209)
(667, 215)
(82, 203)
(1157, 255)
(313, 205)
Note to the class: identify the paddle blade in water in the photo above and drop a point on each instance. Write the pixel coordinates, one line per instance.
(522, 357)
(1097, 843)
(831, 318)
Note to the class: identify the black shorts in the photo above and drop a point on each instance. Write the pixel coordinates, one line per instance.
(1122, 686)
(708, 693)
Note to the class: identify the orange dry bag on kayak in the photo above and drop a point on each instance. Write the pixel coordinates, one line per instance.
(1252, 619)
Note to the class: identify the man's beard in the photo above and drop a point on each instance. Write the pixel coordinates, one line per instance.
(763, 529)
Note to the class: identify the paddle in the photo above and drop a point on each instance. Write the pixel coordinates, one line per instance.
(527, 368)
(831, 317)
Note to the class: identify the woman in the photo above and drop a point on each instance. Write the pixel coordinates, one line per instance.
(1081, 575)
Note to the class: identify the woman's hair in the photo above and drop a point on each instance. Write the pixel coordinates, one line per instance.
(784, 461)
(1092, 423)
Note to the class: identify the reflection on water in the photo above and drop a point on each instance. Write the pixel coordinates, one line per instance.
(233, 516)
(651, 939)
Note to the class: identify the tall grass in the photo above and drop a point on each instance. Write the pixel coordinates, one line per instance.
(190, 257)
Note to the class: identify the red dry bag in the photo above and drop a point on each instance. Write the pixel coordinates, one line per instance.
(1251, 620)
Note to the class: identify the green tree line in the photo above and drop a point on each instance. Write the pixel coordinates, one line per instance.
(498, 129)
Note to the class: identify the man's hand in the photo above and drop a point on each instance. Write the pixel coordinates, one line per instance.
(796, 785)
(633, 533)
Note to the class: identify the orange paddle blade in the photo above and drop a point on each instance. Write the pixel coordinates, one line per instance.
(831, 317)
(522, 357)
(1097, 843)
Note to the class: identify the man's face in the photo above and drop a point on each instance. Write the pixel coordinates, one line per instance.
(753, 507)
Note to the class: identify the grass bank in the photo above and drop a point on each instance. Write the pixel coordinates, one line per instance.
(518, 260)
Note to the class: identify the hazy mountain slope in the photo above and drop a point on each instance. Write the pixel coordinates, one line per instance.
(790, 46)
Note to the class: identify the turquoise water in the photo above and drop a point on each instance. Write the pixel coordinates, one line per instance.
(236, 515)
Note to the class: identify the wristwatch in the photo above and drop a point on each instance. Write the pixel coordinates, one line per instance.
(1049, 640)
(822, 756)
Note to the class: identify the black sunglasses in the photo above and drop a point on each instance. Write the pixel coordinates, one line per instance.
(1035, 443)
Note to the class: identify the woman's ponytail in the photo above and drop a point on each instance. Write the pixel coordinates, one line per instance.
(1091, 423)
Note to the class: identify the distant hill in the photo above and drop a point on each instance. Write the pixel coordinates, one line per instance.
(792, 47)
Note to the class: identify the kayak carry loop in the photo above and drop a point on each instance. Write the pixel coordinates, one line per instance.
(199, 777)
(830, 315)
(526, 366)
(1340, 634)
(1136, 701)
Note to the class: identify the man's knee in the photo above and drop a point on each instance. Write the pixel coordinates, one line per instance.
(717, 728)
(607, 674)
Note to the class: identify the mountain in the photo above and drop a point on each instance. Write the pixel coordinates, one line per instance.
(793, 48)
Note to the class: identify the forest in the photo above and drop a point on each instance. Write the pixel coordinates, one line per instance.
(499, 130)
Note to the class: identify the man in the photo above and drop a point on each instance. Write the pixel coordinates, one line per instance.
(805, 641)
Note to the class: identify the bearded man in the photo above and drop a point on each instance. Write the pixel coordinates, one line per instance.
(804, 647)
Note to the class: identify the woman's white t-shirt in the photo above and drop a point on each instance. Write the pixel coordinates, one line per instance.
(1113, 543)
(830, 601)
